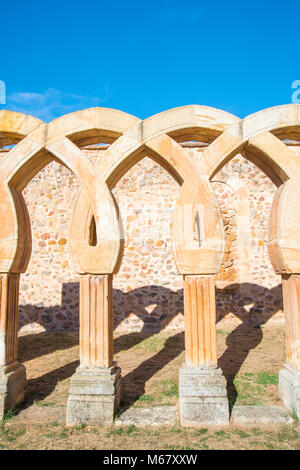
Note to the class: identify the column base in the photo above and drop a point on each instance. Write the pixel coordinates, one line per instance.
(289, 388)
(203, 397)
(95, 395)
(12, 386)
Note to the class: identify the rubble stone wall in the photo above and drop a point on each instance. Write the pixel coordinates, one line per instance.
(148, 291)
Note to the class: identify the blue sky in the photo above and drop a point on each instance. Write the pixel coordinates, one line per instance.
(145, 57)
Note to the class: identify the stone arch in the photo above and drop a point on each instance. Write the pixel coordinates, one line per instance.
(185, 123)
(13, 128)
(43, 144)
(195, 190)
(259, 137)
(16, 126)
(191, 122)
(92, 125)
(156, 137)
(48, 142)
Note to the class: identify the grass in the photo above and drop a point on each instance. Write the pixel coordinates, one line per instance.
(222, 434)
(242, 434)
(266, 378)
(43, 403)
(254, 388)
(115, 432)
(152, 344)
(295, 417)
(249, 392)
(164, 392)
(132, 437)
(201, 431)
(146, 398)
(287, 433)
(63, 433)
(223, 332)
(131, 429)
(7, 417)
(168, 388)
(150, 366)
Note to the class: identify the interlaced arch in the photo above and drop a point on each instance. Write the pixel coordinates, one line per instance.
(152, 138)
(96, 245)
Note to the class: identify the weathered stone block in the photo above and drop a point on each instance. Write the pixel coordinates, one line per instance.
(203, 397)
(289, 388)
(12, 386)
(154, 416)
(260, 415)
(95, 395)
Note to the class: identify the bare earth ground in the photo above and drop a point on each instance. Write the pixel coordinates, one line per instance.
(249, 356)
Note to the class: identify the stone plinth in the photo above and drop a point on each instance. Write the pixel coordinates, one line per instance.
(289, 388)
(12, 386)
(154, 416)
(95, 394)
(260, 415)
(203, 397)
(12, 373)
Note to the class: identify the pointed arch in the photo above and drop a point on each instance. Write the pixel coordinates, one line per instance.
(126, 152)
(191, 122)
(19, 167)
(16, 126)
(92, 125)
(258, 137)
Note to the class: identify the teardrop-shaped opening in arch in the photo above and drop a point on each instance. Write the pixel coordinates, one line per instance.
(197, 229)
(93, 233)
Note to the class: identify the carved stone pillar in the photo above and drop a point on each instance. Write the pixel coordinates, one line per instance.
(289, 376)
(202, 387)
(12, 373)
(96, 321)
(95, 390)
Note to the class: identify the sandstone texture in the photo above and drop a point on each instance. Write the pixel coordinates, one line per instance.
(206, 244)
(148, 290)
(155, 416)
(260, 415)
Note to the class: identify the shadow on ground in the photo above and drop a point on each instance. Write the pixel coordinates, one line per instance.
(252, 304)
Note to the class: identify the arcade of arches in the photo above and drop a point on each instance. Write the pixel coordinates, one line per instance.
(96, 240)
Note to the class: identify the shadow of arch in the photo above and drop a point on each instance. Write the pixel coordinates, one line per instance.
(35, 345)
(166, 304)
(139, 377)
(248, 335)
(254, 305)
(41, 387)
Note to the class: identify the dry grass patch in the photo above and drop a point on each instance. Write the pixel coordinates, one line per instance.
(250, 358)
(54, 436)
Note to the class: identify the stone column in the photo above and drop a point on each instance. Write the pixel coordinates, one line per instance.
(202, 387)
(289, 376)
(95, 390)
(12, 373)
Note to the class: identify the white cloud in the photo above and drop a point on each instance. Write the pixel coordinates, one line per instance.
(52, 103)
